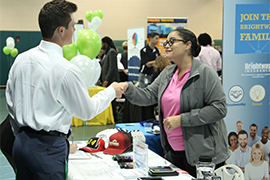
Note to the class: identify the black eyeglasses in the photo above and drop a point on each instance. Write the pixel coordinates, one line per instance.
(171, 41)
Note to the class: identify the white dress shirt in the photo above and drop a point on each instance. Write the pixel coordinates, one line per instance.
(240, 158)
(44, 91)
(211, 57)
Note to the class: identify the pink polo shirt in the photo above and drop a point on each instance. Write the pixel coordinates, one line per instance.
(170, 106)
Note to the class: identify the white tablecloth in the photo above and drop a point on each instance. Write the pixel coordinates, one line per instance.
(87, 167)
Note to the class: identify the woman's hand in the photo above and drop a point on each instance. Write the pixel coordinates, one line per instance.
(172, 122)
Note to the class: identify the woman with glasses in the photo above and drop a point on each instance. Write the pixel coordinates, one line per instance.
(191, 102)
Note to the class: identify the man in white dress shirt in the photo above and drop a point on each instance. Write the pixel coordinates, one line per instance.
(43, 92)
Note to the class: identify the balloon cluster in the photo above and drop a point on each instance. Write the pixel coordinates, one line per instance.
(88, 44)
(10, 47)
(94, 19)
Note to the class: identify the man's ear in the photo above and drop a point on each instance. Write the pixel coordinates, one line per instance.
(61, 30)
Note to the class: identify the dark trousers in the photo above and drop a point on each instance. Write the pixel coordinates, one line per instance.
(6, 141)
(178, 158)
(40, 157)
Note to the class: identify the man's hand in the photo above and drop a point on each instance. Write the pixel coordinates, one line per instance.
(126, 72)
(118, 89)
(172, 122)
(72, 149)
(124, 86)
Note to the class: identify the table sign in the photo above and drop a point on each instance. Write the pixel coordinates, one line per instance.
(140, 159)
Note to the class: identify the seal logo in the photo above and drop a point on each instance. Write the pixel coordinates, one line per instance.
(236, 93)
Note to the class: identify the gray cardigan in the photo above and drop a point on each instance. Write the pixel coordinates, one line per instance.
(203, 107)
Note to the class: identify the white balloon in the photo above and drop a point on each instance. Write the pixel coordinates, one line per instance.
(10, 45)
(9, 39)
(97, 70)
(88, 69)
(96, 22)
(90, 26)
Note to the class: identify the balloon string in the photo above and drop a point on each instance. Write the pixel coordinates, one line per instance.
(11, 61)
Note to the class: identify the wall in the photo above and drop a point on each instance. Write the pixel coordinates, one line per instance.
(19, 17)
(28, 39)
(203, 15)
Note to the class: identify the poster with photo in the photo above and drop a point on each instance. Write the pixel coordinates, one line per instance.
(163, 26)
(246, 63)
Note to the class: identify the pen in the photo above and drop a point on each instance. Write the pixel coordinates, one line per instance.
(96, 155)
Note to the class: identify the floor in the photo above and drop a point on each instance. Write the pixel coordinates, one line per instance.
(79, 133)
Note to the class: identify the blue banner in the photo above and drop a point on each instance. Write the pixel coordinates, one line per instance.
(246, 63)
(252, 27)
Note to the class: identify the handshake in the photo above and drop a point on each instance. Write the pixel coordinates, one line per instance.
(120, 88)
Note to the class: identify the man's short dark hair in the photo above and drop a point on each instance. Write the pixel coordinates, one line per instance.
(204, 39)
(254, 125)
(54, 14)
(265, 127)
(152, 35)
(242, 132)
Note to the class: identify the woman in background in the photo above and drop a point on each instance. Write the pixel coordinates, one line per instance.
(233, 141)
(257, 168)
(160, 63)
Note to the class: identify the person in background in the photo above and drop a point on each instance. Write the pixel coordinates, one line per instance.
(109, 69)
(233, 141)
(43, 92)
(191, 105)
(265, 144)
(208, 54)
(257, 168)
(160, 63)
(100, 55)
(241, 156)
(6, 141)
(253, 138)
(122, 59)
(239, 126)
(148, 55)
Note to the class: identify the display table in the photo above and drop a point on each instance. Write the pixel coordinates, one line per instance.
(152, 140)
(104, 118)
(94, 168)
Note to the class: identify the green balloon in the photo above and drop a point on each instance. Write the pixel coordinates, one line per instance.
(69, 51)
(6, 50)
(98, 13)
(89, 15)
(14, 52)
(79, 32)
(89, 43)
